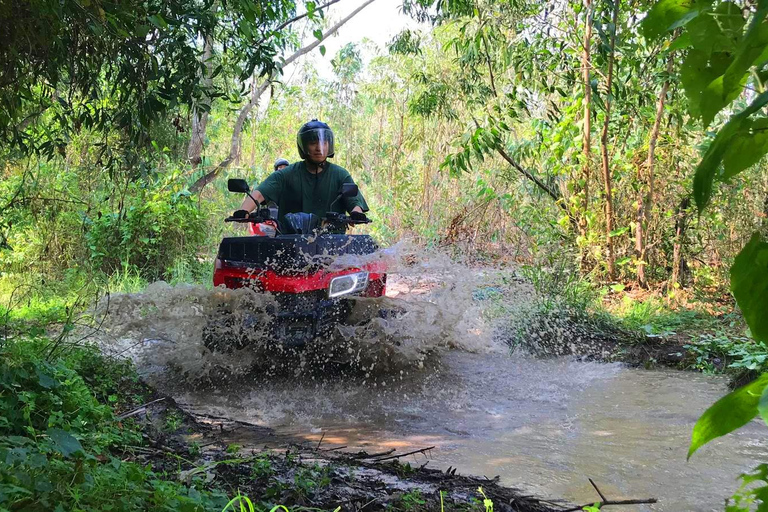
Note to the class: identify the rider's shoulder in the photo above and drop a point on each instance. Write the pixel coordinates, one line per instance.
(337, 169)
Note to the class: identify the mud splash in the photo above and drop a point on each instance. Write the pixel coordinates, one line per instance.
(434, 300)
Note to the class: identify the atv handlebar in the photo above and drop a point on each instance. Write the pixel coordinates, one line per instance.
(330, 217)
(340, 218)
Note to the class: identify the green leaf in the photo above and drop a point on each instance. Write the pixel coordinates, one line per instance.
(618, 231)
(762, 405)
(749, 284)
(750, 48)
(158, 21)
(322, 50)
(710, 163)
(618, 287)
(732, 411)
(747, 147)
(697, 74)
(681, 42)
(667, 15)
(45, 381)
(318, 34)
(64, 442)
(718, 30)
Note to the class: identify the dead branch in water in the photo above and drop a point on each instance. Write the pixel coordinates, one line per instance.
(366, 455)
(423, 450)
(606, 502)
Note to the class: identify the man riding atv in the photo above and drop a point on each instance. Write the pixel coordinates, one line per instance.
(310, 185)
(312, 271)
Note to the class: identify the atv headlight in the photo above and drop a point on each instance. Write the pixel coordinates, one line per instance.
(350, 283)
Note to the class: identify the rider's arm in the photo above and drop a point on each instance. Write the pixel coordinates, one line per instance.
(269, 189)
(248, 204)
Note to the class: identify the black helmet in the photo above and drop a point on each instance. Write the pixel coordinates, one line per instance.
(281, 161)
(314, 131)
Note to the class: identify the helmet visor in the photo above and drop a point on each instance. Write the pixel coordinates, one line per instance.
(316, 143)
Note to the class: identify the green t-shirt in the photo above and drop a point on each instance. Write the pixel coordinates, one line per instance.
(295, 189)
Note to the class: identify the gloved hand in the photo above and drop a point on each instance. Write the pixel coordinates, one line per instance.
(240, 214)
(358, 216)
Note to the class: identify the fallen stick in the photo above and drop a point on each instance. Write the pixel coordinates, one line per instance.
(613, 502)
(405, 454)
(606, 502)
(333, 449)
(366, 455)
(138, 409)
(320, 442)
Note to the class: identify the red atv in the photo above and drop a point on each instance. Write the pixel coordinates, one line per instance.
(297, 264)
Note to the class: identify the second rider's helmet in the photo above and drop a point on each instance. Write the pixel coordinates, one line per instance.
(315, 131)
(281, 161)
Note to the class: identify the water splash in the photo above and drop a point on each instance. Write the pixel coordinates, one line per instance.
(431, 306)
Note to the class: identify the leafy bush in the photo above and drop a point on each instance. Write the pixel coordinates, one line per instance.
(160, 228)
(721, 351)
(60, 446)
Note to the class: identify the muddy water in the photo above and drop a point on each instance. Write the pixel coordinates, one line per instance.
(435, 376)
(543, 426)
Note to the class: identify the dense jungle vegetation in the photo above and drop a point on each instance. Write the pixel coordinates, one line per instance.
(612, 149)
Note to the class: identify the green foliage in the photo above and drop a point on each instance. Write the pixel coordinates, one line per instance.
(714, 352)
(749, 283)
(412, 500)
(173, 421)
(61, 446)
(753, 491)
(731, 412)
(656, 317)
(102, 66)
(157, 228)
(716, 70)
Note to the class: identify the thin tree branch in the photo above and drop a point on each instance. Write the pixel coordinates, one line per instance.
(295, 19)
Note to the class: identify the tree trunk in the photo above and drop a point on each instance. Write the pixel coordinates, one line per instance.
(587, 126)
(604, 148)
(234, 145)
(237, 131)
(200, 115)
(645, 203)
(678, 263)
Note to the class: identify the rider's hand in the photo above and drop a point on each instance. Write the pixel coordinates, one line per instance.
(358, 216)
(240, 214)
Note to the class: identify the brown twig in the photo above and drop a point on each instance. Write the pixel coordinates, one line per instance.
(405, 454)
(320, 441)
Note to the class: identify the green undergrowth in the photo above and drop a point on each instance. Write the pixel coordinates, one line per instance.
(567, 314)
(63, 448)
